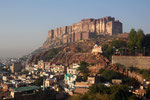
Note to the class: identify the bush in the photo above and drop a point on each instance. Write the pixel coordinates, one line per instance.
(39, 81)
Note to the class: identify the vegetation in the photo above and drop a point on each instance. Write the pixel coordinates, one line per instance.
(138, 43)
(148, 91)
(84, 70)
(39, 81)
(115, 45)
(144, 72)
(108, 75)
(133, 69)
(101, 92)
(50, 54)
(136, 39)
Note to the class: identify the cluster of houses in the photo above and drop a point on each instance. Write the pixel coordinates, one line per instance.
(55, 76)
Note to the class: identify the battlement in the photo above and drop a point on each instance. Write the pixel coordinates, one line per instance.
(86, 28)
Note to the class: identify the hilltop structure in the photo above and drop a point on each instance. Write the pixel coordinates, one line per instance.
(83, 30)
(97, 49)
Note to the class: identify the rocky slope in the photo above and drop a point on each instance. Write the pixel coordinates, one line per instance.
(76, 52)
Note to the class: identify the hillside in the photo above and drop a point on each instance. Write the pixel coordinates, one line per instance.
(76, 52)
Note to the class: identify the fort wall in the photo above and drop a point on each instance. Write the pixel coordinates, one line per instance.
(141, 62)
(83, 30)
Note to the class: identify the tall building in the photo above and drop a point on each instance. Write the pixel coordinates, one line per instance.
(16, 67)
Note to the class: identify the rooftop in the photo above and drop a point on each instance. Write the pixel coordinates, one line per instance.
(26, 88)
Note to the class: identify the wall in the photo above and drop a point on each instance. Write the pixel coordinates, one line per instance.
(83, 30)
(142, 62)
(106, 25)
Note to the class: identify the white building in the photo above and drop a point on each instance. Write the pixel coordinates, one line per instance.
(70, 80)
(97, 49)
(73, 69)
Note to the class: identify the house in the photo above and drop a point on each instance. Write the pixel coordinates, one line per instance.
(16, 67)
(58, 68)
(73, 69)
(70, 80)
(7, 86)
(49, 82)
(41, 64)
(83, 87)
(24, 92)
(116, 81)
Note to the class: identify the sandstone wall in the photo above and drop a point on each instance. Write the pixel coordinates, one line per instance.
(83, 29)
(142, 62)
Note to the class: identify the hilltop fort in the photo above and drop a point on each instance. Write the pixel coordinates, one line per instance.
(83, 30)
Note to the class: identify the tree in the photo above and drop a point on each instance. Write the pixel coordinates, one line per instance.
(145, 73)
(147, 41)
(132, 39)
(148, 91)
(140, 39)
(134, 97)
(39, 81)
(104, 47)
(109, 50)
(83, 67)
(98, 88)
(108, 75)
(118, 44)
(120, 92)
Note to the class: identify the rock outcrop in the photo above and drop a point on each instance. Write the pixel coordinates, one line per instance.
(83, 30)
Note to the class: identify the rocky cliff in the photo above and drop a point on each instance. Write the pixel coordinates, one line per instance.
(83, 30)
(76, 51)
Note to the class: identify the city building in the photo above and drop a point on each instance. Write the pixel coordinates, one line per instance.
(16, 67)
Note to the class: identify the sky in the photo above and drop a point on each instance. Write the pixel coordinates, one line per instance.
(24, 24)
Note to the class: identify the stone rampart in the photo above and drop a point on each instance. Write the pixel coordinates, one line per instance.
(83, 30)
(141, 62)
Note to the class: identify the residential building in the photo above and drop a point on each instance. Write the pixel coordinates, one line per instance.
(16, 67)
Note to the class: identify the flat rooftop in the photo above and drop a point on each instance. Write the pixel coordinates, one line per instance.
(26, 88)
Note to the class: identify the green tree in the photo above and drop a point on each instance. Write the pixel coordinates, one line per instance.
(132, 39)
(83, 67)
(104, 47)
(108, 75)
(120, 92)
(145, 73)
(118, 44)
(147, 41)
(148, 91)
(98, 88)
(39, 81)
(109, 50)
(134, 97)
(140, 39)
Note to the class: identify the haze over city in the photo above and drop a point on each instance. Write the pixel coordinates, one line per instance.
(24, 24)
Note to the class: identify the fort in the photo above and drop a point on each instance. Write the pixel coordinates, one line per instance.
(83, 30)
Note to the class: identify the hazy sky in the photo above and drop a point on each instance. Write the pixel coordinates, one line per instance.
(24, 23)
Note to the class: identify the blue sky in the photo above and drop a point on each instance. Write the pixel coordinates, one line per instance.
(24, 23)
